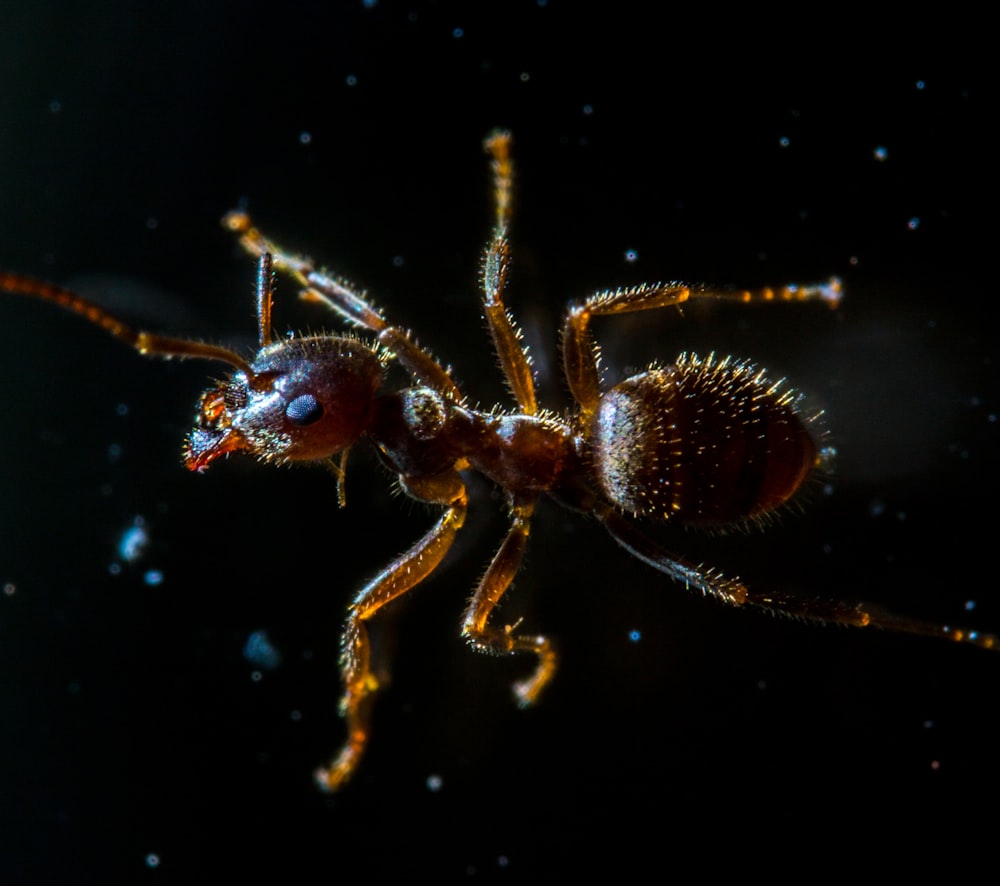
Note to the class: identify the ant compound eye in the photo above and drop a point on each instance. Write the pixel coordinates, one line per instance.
(304, 410)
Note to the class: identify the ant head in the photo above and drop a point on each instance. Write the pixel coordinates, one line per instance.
(301, 399)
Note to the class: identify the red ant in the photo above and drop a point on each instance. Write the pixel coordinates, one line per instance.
(699, 442)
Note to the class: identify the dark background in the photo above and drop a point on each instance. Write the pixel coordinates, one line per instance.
(138, 744)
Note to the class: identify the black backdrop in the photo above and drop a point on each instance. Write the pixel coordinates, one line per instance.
(137, 742)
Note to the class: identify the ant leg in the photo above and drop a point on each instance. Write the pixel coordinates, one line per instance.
(349, 303)
(581, 356)
(507, 340)
(711, 583)
(503, 641)
(404, 573)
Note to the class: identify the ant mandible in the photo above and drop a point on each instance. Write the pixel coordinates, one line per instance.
(700, 442)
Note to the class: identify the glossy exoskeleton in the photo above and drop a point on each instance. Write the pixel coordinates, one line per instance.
(697, 442)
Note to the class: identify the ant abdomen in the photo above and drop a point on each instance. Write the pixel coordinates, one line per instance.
(703, 441)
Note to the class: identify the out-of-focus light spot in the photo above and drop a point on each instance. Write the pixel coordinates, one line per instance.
(525, 76)
(458, 33)
(920, 84)
(261, 652)
(153, 577)
(970, 605)
(784, 141)
(913, 223)
(588, 109)
(398, 261)
(9, 589)
(55, 106)
(351, 80)
(434, 783)
(635, 635)
(881, 154)
(134, 541)
(631, 256)
(305, 138)
(152, 860)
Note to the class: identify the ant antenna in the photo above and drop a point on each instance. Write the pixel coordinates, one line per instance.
(147, 343)
(265, 297)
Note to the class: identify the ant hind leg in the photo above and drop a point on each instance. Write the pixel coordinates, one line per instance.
(857, 614)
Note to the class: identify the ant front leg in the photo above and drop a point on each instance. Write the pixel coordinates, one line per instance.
(514, 360)
(503, 641)
(404, 573)
(349, 303)
(581, 354)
